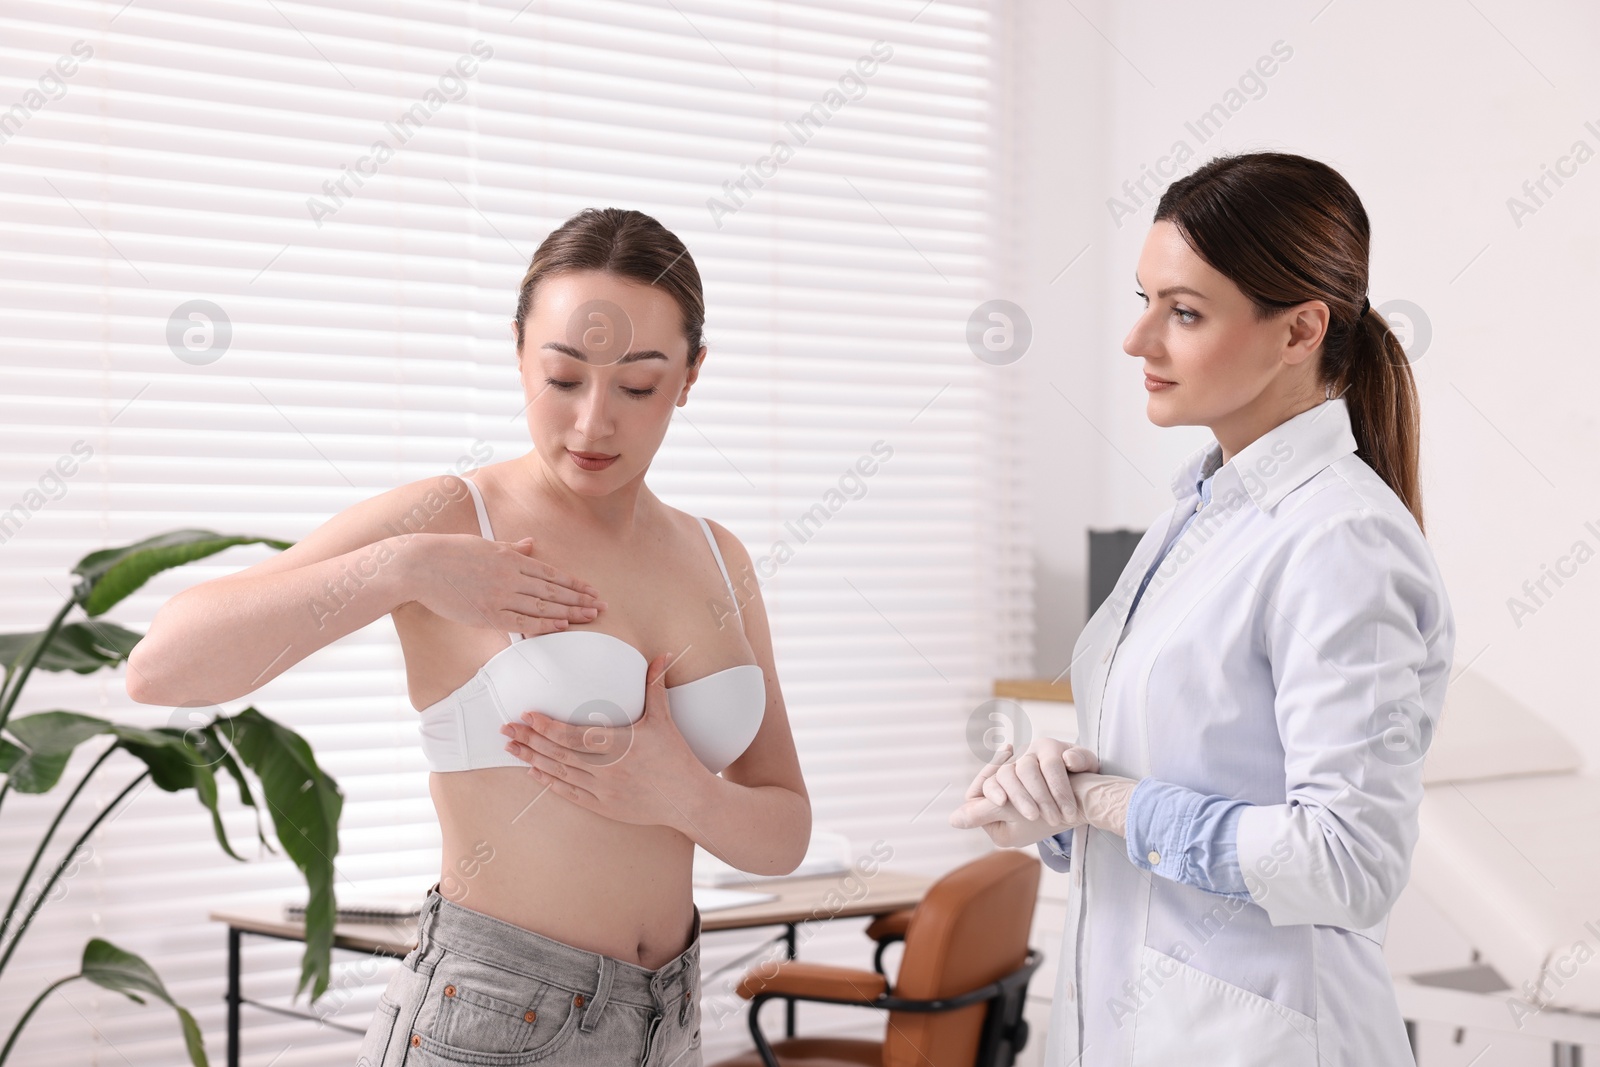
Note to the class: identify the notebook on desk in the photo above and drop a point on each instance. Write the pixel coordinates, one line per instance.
(367, 910)
(714, 898)
(827, 853)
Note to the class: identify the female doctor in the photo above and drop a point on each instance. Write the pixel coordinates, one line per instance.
(1257, 693)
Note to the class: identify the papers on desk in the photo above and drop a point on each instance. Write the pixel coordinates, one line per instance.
(828, 853)
(711, 898)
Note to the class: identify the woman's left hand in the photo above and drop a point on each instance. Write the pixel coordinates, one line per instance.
(642, 773)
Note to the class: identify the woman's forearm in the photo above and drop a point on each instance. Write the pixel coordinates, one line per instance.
(763, 829)
(227, 637)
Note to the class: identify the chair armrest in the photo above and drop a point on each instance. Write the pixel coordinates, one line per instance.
(886, 930)
(818, 981)
(890, 927)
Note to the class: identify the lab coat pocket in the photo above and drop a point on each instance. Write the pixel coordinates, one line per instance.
(1193, 1017)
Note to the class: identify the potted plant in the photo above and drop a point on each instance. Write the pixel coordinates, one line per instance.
(304, 803)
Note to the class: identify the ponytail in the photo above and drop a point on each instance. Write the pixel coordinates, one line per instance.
(1381, 395)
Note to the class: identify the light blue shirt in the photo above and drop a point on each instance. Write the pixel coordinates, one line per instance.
(1195, 835)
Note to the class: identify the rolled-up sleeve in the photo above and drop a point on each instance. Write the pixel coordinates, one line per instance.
(1187, 836)
(1359, 635)
(1056, 851)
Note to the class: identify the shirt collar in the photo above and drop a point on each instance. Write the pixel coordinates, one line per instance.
(1278, 461)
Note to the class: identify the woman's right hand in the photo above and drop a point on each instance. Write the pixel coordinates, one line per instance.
(499, 585)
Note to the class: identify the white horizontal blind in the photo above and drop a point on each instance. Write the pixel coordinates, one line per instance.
(228, 152)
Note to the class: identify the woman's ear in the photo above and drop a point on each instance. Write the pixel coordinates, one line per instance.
(694, 374)
(1308, 325)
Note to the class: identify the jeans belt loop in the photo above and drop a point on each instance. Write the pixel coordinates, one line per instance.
(425, 921)
(591, 1010)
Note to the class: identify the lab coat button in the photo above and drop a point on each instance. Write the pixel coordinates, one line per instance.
(1154, 858)
(1071, 991)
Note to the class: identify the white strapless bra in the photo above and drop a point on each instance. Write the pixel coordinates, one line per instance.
(587, 678)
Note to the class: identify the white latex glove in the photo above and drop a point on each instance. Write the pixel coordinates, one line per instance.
(1049, 764)
(1038, 783)
(1103, 800)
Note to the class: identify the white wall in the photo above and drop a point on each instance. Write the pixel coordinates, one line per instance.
(1437, 114)
(1436, 119)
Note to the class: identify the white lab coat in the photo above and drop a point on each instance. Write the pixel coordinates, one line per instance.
(1284, 654)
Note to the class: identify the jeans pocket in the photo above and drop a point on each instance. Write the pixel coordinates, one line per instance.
(379, 1031)
(487, 1010)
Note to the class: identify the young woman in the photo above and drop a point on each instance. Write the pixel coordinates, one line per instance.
(1258, 692)
(563, 928)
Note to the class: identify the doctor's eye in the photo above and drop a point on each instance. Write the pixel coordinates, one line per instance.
(1192, 318)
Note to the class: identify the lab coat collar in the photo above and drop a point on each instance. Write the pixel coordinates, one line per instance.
(1270, 467)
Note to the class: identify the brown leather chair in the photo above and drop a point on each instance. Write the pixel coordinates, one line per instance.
(958, 996)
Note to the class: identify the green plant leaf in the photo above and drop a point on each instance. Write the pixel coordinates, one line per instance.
(84, 647)
(176, 764)
(44, 742)
(110, 967)
(224, 758)
(305, 804)
(107, 576)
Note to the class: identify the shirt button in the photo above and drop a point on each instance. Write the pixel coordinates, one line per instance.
(1106, 656)
(1154, 858)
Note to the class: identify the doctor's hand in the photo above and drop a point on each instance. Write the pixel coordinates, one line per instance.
(988, 804)
(1038, 783)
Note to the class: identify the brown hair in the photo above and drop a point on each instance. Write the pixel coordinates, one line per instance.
(626, 243)
(1286, 229)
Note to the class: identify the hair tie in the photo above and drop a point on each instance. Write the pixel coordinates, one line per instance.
(1365, 304)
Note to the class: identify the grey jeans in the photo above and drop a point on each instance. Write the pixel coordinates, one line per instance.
(483, 992)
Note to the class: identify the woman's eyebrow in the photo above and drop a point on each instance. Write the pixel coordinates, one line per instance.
(631, 357)
(1169, 290)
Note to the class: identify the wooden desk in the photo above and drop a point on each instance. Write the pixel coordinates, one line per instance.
(1034, 689)
(799, 900)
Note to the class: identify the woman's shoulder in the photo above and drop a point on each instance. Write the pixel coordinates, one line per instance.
(729, 547)
(1348, 491)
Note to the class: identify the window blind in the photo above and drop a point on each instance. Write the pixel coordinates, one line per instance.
(258, 264)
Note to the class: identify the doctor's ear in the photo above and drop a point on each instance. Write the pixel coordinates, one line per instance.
(1308, 326)
(694, 374)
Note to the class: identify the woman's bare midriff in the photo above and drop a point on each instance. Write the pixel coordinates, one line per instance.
(532, 858)
(545, 864)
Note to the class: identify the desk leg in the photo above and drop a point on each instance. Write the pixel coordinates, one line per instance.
(233, 996)
(789, 947)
